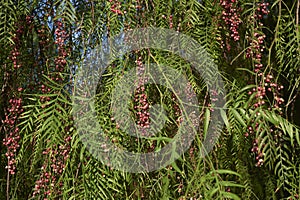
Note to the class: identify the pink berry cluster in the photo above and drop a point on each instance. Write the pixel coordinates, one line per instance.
(60, 61)
(254, 52)
(58, 154)
(141, 99)
(192, 155)
(295, 195)
(256, 49)
(214, 97)
(170, 21)
(29, 19)
(46, 185)
(180, 186)
(11, 141)
(115, 7)
(14, 110)
(42, 185)
(45, 45)
(60, 39)
(258, 154)
(250, 130)
(177, 109)
(43, 39)
(15, 53)
(231, 17)
(260, 95)
(272, 87)
(189, 91)
(266, 82)
(256, 40)
(44, 89)
(268, 85)
(261, 10)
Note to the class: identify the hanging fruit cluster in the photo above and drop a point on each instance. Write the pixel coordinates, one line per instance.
(12, 139)
(14, 110)
(142, 107)
(47, 183)
(266, 85)
(231, 17)
(116, 7)
(52, 169)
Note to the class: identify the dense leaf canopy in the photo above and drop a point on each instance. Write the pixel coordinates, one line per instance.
(254, 44)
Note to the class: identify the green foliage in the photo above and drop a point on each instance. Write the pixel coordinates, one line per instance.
(256, 155)
(8, 18)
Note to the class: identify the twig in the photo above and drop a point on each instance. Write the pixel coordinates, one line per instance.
(7, 186)
(8, 177)
(297, 22)
(297, 16)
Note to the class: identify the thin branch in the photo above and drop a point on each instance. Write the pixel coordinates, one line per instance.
(7, 186)
(276, 33)
(8, 177)
(297, 16)
(297, 22)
